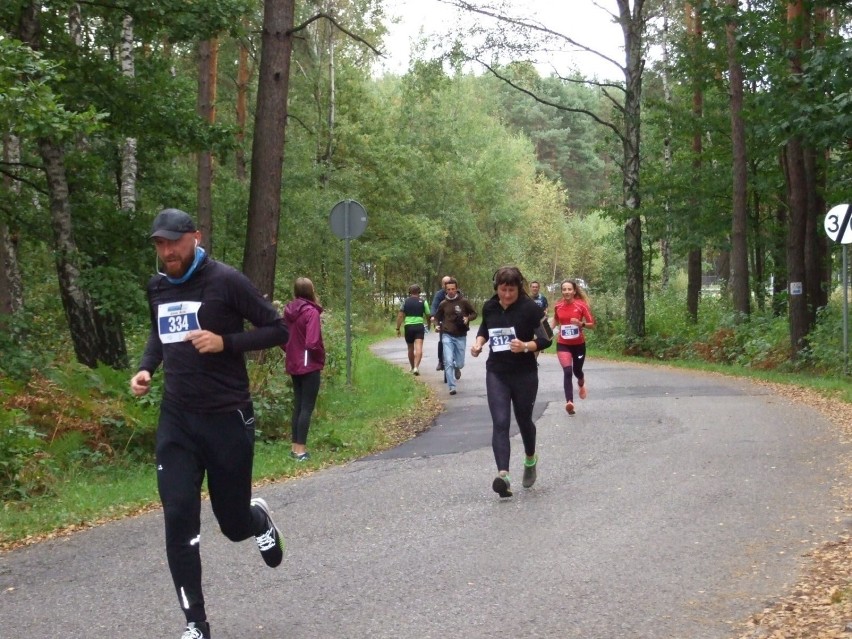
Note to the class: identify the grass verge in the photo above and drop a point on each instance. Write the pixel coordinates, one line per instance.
(382, 408)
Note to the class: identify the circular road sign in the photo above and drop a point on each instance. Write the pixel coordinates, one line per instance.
(348, 219)
(837, 224)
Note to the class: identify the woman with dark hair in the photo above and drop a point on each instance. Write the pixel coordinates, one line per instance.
(571, 315)
(510, 320)
(305, 354)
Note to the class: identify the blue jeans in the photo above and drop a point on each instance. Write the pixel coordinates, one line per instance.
(453, 356)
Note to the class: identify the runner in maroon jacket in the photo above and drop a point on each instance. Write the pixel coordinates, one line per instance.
(305, 353)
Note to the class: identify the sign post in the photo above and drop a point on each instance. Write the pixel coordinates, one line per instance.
(837, 226)
(348, 219)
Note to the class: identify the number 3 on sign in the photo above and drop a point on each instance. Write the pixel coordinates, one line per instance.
(837, 224)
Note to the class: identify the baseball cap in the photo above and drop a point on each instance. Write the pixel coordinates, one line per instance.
(172, 224)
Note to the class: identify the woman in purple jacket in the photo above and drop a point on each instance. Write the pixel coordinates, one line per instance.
(305, 355)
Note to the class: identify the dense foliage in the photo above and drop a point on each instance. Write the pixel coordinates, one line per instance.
(459, 173)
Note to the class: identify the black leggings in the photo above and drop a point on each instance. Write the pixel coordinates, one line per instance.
(305, 391)
(571, 357)
(188, 445)
(505, 391)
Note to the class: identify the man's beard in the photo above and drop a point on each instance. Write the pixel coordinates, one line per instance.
(177, 268)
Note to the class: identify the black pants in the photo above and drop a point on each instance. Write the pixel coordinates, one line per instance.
(571, 358)
(188, 445)
(506, 391)
(305, 390)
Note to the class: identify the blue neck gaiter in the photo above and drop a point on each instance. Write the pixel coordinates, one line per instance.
(199, 255)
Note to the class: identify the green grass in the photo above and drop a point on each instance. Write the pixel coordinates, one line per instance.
(382, 407)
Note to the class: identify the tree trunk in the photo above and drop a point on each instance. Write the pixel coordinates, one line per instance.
(332, 113)
(796, 233)
(694, 270)
(632, 26)
(739, 225)
(92, 337)
(243, 75)
(11, 284)
(261, 248)
(779, 257)
(206, 108)
(93, 341)
(127, 192)
(665, 245)
(797, 199)
(818, 251)
(693, 283)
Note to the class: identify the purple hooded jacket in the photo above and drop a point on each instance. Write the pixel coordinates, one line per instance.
(304, 350)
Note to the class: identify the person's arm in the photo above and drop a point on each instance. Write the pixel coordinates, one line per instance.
(151, 359)
(471, 312)
(481, 336)
(313, 331)
(478, 344)
(270, 329)
(400, 318)
(152, 356)
(439, 316)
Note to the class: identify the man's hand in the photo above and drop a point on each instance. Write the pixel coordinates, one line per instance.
(140, 383)
(206, 342)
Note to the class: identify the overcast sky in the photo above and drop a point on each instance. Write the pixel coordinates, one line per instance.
(580, 20)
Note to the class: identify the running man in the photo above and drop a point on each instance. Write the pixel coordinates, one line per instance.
(198, 307)
(415, 315)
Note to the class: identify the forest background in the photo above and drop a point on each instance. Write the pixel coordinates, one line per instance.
(690, 196)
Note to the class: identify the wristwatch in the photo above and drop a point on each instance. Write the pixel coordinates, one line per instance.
(526, 348)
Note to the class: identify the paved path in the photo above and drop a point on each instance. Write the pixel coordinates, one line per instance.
(671, 506)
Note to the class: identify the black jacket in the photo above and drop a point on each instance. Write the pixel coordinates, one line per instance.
(211, 382)
(524, 316)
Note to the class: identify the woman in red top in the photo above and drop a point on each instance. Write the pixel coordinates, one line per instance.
(571, 315)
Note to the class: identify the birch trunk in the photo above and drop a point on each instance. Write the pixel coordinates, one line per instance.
(632, 26)
(88, 334)
(11, 284)
(127, 194)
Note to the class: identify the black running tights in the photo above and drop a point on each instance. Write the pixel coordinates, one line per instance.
(305, 390)
(507, 391)
(188, 445)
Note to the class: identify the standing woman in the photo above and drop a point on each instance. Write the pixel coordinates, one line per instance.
(305, 353)
(509, 323)
(571, 315)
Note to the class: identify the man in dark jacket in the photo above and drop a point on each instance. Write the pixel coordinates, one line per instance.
(453, 316)
(440, 294)
(198, 307)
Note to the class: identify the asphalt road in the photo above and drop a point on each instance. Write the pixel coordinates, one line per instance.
(672, 505)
